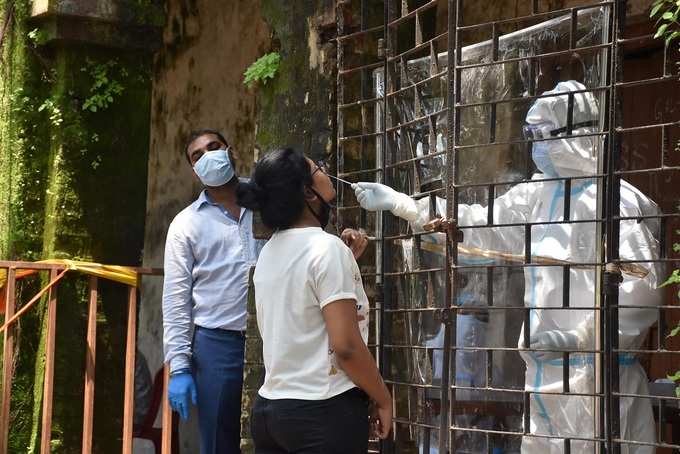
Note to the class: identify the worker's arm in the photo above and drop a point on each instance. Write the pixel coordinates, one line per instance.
(513, 207)
(637, 241)
(354, 358)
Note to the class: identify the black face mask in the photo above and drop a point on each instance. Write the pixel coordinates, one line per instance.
(324, 214)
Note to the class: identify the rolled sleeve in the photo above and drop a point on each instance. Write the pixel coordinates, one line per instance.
(336, 274)
(177, 306)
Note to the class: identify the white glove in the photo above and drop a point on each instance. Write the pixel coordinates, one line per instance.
(555, 340)
(378, 197)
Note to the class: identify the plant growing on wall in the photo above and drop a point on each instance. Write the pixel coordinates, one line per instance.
(263, 69)
(674, 279)
(106, 84)
(667, 13)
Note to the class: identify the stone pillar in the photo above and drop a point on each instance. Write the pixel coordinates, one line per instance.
(74, 120)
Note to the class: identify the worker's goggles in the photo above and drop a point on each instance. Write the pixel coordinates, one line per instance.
(545, 131)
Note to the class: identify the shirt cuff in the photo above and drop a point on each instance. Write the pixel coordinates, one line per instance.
(179, 362)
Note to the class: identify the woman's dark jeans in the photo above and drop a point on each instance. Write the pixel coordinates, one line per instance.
(338, 425)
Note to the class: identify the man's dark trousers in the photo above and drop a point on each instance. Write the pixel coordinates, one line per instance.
(218, 371)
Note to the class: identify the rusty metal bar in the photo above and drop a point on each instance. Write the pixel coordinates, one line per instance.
(431, 4)
(594, 47)
(90, 361)
(419, 47)
(7, 360)
(360, 102)
(548, 15)
(129, 397)
(356, 69)
(359, 136)
(528, 98)
(367, 31)
(651, 126)
(648, 171)
(48, 384)
(421, 119)
(340, 100)
(384, 287)
(358, 172)
(642, 82)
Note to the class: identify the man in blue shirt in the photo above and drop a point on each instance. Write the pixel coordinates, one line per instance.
(209, 250)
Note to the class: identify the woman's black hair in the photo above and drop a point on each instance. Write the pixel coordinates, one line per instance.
(276, 188)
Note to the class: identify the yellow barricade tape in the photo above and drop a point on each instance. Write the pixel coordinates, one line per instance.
(123, 274)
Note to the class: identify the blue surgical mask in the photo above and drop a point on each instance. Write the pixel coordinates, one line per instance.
(540, 153)
(214, 168)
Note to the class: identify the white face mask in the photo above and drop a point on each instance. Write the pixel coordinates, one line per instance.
(214, 168)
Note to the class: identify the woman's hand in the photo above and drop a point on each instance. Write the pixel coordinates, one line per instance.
(381, 420)
(356, 240)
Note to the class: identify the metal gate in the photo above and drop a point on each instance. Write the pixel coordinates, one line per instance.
(530, 317)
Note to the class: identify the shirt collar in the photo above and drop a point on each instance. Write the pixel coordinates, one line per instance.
(204, 199)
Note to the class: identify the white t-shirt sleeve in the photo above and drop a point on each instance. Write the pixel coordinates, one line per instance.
(335, 272)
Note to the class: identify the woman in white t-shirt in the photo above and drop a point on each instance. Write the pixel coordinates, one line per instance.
(312, 313)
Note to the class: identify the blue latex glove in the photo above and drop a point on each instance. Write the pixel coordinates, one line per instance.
(180, 388)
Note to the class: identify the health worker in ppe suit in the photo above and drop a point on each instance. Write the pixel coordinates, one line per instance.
(555, 331)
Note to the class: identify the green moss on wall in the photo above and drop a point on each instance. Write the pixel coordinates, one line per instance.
(72, 185)
(294, 108)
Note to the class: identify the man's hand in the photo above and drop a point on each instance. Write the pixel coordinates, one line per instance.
(357, 240)
(381, 420)
(180, 389)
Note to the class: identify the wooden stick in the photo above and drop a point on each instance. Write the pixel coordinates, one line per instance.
(632, 269)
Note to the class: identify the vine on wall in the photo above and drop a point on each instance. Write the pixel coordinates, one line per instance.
(667, 13)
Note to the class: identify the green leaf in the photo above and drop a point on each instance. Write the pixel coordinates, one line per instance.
(656, 9)
(675, 377)
(672, 279)
(667, 15)
(674, 332)
(661, 30)
(658, 5)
